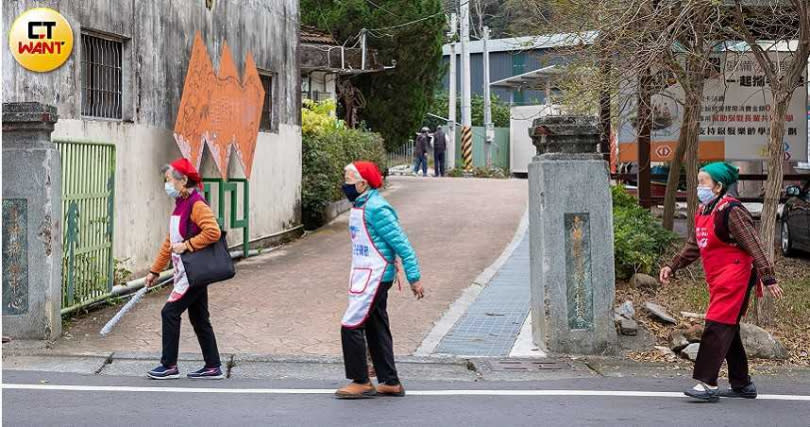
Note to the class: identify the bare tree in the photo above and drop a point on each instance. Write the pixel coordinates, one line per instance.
(651, 43)
(696, 30)
(769, 29)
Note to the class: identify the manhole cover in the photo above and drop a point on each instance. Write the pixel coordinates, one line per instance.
(527, 365)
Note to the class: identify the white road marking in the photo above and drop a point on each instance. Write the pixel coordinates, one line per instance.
(602, 393)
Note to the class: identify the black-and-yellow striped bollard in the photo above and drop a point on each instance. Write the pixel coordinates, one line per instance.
(466, 147)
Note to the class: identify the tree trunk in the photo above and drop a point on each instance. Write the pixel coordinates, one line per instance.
(644, 127)
(673, 179)
(688, 145)
(692, 120)
(773, 191)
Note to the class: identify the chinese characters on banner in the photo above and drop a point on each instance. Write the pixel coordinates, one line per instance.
(734, 119)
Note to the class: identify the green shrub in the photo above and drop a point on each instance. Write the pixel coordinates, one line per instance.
(326, 151)
(479, 172)
(639, 240)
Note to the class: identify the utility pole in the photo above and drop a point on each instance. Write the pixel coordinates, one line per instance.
(363, 49)
(451, 114)
(466, 106)
(490, 129)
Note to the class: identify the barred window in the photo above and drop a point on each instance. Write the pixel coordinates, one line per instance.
(266, 123)
(101, 77)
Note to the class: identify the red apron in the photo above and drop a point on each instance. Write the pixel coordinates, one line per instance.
(728, 268)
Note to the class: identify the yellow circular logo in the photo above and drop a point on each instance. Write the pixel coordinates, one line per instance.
(41, 39)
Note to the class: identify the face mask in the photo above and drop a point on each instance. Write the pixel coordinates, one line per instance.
(350, 190)
(705, 194)
(170, 190)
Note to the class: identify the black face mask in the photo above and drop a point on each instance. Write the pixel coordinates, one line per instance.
(350, 190)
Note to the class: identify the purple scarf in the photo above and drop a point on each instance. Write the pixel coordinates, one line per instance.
(182, 208)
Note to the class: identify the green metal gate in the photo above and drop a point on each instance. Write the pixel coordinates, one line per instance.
(88, 196)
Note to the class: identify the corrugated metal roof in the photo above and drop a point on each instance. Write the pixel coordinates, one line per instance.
(548, 41)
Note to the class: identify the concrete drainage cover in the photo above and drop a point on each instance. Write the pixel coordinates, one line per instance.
(527, 365)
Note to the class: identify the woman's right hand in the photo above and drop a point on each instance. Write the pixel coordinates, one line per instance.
(665, 275)
(151, 278)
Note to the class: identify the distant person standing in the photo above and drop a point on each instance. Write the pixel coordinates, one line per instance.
(420, 151)
(439, 151)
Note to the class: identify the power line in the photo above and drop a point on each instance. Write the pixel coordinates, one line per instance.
(383, 9)
(408, 23)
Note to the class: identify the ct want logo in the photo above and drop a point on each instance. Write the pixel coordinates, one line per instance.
(41, 39)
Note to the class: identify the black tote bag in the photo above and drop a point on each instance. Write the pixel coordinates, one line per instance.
(209, 265)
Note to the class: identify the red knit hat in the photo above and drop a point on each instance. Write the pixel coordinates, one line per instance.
(369, 172)
(185, 167)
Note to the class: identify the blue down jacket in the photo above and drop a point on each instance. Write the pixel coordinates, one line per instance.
(383, 226)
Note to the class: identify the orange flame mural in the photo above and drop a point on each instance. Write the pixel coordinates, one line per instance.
(218, 110)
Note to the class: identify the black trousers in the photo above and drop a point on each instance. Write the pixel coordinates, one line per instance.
(439, 162)
(196, 302)
(720, 342)
(377, 332)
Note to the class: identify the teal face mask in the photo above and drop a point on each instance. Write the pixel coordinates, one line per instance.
(170, 190)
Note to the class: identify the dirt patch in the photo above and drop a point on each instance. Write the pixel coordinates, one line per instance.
(688, 293)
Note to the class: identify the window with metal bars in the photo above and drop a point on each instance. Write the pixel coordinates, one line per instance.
(101, 77)
(266, 123)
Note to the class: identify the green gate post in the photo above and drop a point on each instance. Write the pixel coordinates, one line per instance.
(230, 186)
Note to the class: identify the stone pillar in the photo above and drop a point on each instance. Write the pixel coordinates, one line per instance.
(32, 219)
(571, 238)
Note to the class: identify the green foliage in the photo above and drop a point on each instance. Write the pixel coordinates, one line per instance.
(396, 100)
(480, 173)
(318, 117)
(455, 173)
(440, 106)
(327, 149)
(639, 240)
(121, 274)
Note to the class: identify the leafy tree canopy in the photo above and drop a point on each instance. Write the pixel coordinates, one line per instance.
(411, 32)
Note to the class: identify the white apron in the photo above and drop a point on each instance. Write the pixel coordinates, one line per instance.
(368, 268)
(180, 279)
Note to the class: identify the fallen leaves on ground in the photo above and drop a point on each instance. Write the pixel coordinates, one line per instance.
(688, 292)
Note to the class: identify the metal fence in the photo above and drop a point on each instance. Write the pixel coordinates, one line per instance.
(88, 184)
(401, 156)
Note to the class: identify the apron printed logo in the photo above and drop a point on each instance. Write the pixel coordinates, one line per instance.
(702, 237)
(41, 39)
(360, 250)
(353, 231)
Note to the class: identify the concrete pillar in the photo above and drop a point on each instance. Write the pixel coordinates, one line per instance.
(571, 238)
(32, 223)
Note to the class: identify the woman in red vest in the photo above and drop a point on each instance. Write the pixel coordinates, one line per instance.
(735, 262)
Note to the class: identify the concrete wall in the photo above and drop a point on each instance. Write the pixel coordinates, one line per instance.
(157, 45)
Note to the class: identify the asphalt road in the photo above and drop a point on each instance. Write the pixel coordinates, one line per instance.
(111, 401)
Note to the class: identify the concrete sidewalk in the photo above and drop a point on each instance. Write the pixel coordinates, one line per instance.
(289, 301)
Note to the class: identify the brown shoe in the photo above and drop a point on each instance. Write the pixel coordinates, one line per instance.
(356, 391)
(391, 390)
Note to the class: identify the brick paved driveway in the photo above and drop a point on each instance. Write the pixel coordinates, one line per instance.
(290, 301)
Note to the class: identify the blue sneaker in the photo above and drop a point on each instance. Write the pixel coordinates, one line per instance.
(164, 373)
(207, 374)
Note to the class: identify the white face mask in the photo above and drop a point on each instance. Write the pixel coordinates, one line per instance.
(705, 194)
(170, 190)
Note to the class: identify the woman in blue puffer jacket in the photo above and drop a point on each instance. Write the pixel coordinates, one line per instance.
(377, 239)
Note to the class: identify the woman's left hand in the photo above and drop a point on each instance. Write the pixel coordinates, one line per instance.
(418, 290)
(179, 248)
(775, 290)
